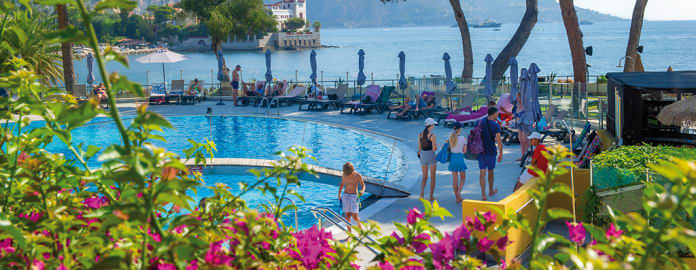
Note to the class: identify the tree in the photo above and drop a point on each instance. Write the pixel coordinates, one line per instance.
(123, 15)
(66, 49)
(634, 36)
(468, 71)
(162, 14)
(293, 24)
(225, 18)
(577, 51)
(514, 46)
(317, 26)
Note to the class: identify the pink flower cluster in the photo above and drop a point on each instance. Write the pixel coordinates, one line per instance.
(314, 247)
(576, 232)
(95, 202)
(32, 216)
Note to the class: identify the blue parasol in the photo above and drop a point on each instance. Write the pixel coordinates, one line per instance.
(533, 86)
(361, 67)
(402, 70)
(522, 105)
(449, 84)
(90, 64)
(313, 64)
(489, 74)
(221, 66)
(513, 83)
(269, 75)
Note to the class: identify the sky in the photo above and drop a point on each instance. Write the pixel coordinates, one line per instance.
(656, 9)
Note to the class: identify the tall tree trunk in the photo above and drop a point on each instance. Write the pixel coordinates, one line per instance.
(514, 46)
(634, 36)
(66, 49)
(577, 51)
(468, 71)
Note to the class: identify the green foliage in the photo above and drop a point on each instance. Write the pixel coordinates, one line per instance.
(602, 79)
(293, 24)
(162, 14)
(27, 35)
(317, 26)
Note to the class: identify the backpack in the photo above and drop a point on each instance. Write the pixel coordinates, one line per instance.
(474, 145)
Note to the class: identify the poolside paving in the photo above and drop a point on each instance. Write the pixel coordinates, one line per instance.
(405, 133)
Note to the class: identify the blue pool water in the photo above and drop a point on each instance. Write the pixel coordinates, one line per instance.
(261, 138)
(258, 138)
(315, 195)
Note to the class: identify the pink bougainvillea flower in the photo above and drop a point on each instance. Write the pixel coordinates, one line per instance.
(166, 266)
(32, 216)
(37, 265)
(139, 195)
(62, 267)
(460, 235)
(193, 265)
(502, 242)
(216, 256)
(443, 252)
(155, 236)
(612, 232)
(503, 264)
(398, 238)
(385, 266)
(489, 216)
(314, 247)
(6, 247)
(95, 202)
(176, 208)
(419, 242)
(576, 232)
(414, 215)
(478, 225)
(180, 229)
(484, 244)
(469, 222)
(355, 266)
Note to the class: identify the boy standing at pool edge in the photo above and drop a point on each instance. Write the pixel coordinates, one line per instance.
(349, 201)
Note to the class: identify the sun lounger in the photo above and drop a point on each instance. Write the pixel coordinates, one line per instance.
(244, 99)
(467, 116)
(578, 142)
(591, 148)
(158, 94)
(315, 104)
(383, 102)
(175, 91)
(427, 112)
(199, 96)
(363, 106)
(290, 98)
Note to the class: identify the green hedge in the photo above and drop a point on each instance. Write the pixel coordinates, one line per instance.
(626, 165)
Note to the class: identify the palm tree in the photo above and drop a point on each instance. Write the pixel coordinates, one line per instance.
(66, 50)
(634, 36)
(28, 40)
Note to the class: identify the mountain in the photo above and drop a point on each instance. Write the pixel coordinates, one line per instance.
(374, 13)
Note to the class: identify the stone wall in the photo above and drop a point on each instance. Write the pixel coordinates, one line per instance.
(285, 41)
(280, 41)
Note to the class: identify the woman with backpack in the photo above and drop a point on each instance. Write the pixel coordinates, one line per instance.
(427, 145)
(457, 145)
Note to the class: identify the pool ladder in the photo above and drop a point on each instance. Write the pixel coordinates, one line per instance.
(323, 213)
(269, 102)
(297, 223)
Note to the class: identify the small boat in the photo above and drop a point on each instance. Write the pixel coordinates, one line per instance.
(586, 22)
(497, 29)
(487, 24)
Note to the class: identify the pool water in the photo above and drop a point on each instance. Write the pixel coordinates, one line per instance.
(315, 195)
(259, 138)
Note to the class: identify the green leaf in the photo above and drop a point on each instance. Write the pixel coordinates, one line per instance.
(111, 262)
(559, 213)
(561, 188)
(91, 151)
(122, 83)
(17, 236)
(596, 232)
(120, 4)
(67, 34)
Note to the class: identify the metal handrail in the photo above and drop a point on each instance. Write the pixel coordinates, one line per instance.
(297, 223)
(322, 212)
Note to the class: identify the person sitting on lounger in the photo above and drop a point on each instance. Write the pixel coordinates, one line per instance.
(100, 91)
(429, 102)
(407, 106)
(259, 89)
(194, 88)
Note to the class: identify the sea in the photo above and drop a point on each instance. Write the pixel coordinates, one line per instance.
(666, 43)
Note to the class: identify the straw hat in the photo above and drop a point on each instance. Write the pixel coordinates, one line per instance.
(679, 113)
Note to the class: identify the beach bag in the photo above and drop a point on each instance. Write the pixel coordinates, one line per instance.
(444, 155)
(367, 99)
(474, 145)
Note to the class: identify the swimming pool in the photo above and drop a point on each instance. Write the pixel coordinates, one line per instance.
(261, 138)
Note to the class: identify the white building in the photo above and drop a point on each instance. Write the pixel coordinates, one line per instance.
(286, 9)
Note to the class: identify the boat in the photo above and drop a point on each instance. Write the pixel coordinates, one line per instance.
(497, 29)
(487, 24)
(586, 22)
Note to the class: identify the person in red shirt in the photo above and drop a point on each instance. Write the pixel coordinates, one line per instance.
(538, 160)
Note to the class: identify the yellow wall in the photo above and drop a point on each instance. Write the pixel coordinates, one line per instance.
(520, 201)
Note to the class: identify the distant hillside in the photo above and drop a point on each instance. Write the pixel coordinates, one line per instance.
(372, 13)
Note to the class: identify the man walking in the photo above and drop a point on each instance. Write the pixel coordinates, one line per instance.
(351, 180)
(235, 83)
(490, 136)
